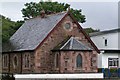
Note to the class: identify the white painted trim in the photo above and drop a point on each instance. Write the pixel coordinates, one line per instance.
(71, 42)
(61, 76)
(119, 60)
(65, 44)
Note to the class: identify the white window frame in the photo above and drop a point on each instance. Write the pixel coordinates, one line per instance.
(114, 61)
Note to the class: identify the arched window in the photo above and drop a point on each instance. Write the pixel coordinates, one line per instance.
(79, 61)
(5, 60)
(15, 61)
(26, 60)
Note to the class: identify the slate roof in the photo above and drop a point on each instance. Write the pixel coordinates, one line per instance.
(105, 32)
(73, 44)
(33, 32)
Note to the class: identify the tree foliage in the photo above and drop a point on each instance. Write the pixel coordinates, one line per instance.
(33, 9)
(90, 30)
(9, 28)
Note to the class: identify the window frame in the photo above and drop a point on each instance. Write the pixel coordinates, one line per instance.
(113, 62)
(80, 65)
(67, 26)
(5, 61)
(26, 61)
(70, 25)
(106, 42)
(15, 65)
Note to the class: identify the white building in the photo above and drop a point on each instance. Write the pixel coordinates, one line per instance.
(108, 43)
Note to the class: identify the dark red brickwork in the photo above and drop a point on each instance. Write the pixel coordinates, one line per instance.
(42, 60)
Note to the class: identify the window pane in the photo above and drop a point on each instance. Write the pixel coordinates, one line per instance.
(105, 42)
(110, 63)
(67, 25)
(79, 61)
(113, 62)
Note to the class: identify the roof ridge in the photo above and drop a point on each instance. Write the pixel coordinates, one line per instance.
(58, 13)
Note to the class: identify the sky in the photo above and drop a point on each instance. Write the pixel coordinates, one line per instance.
(101, 15)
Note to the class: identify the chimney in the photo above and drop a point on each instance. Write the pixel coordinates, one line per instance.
(42, 13)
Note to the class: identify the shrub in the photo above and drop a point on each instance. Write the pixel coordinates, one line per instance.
(7, 77)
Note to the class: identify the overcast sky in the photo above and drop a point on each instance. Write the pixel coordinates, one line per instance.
(99, 15)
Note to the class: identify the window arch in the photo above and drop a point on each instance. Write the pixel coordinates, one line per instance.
(79, 61)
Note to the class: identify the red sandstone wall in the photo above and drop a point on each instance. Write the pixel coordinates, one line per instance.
(70, 57)
(19, 68)
(44, 58)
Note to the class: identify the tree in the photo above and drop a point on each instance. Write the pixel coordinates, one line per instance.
(33, 9)
(9, 28)
(6, 29)
(90, 30)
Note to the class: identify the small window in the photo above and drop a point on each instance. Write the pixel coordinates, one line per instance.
(5, 60)
(79, 61)
(113, 62)
(67, 26)
(105, 42)
(15, 61)
(26, 60)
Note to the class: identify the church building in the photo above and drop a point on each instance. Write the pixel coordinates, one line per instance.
(53, 43)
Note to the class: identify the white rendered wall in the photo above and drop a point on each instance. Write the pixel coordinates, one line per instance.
(119, 40)
(119, 60)
(100, 60)
(105, 57)
(112, 41)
